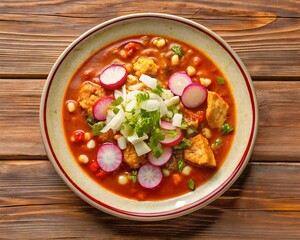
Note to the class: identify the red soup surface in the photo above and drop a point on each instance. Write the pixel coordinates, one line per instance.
(206, 134)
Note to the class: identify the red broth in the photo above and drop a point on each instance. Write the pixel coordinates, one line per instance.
(90, 70)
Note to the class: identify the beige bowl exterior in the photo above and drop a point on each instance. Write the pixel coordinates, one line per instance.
(157, 24)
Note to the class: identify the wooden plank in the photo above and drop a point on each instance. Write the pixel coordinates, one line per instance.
(277, 138)
(263, 203)
(265, 34)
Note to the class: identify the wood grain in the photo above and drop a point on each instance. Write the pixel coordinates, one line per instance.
(35, 203)
(265, 34)
(278, 108)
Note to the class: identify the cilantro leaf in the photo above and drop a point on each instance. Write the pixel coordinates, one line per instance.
(156, 137)
(133, 176)
(220, 80)
(116, 102)
(226, 128)
(177, 50)
(141, 97)
(158, 90)
(185, 143)
(91, 120)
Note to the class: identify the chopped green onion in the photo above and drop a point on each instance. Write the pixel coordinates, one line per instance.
(226, 128)
(116, 110)
(177, 50)
(91, 120)
(180, 165)
(218, 142)
(191, 184)
(97, 127)
(220, 80)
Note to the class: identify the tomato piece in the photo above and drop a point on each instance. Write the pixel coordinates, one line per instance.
(94, 166)
(77, 136)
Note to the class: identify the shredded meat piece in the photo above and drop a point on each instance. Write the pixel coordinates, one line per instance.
(107, 136)
(132, 159)
(200, 152)
(216, 111)
(145, 65)
(89, 93)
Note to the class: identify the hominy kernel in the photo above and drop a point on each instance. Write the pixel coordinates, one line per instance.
(191, 71)
(175, 60)
(166, 172)
(186, 170)
(196, 60)
(122, 179)
(205, 81)
(91, 144)
(206, 132)
(161, 43)
(155, 41)
(87, 136)
(83, 159)
(71, 106)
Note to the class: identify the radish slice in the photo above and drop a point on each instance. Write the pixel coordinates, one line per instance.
(172, 140)
(163, 159)
(100, 108)
(113, 76)
(194, 95)
(167, 125)
(178, 81)
(149, 176)
(109, 157)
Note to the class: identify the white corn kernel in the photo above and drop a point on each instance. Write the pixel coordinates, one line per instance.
(186, 170)
(91, 144)
(83, 159)
(87, 136)
(122, 179)
(166, 172)
(71, 106)
(175, 60)
(196, 60)
(206, 132)
(161, 43)
(205, 81)
(191, 71)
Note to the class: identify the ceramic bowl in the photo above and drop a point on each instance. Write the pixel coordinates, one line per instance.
(157, 24)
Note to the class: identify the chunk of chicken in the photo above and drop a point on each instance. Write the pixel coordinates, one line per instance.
(216, 111)
(108, 136)
(89, 93)
(132, 159)
(200, 152)
(145, 65)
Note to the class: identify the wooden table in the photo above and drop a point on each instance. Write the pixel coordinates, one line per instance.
(263, 204)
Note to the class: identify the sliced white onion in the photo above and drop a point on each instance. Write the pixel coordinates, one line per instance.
(131, 95)
(130, 106)
(135, 87)
(177, 119)
(172, 101)
(122, 143)
(150, 105)
(117, 120)
(141, 148)
(148, 81)
(167, 94)
(118, 93)
(134, 138)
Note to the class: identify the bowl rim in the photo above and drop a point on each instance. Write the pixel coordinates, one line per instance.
(186, 208)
